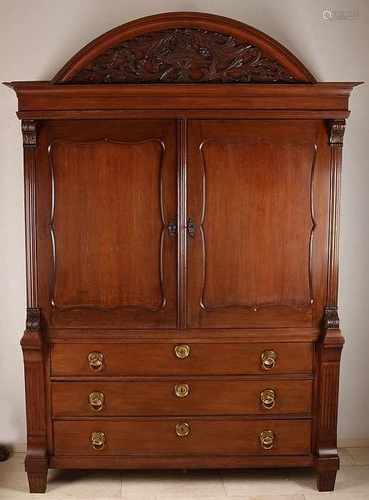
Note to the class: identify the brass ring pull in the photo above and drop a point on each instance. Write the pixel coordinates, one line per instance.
(182, 351)
(97, 440)
(182, 390)
(267, 439)
(268, 360)
(183, 429)
(96, 361)
(267, 398)
(96, 400)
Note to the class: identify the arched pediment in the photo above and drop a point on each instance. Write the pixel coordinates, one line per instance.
(184, 48)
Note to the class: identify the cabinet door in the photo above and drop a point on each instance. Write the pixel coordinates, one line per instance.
(250, 196)
(106, 198)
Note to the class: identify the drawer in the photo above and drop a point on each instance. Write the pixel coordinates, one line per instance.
(145, 359)
(185, 396)
(182, 436)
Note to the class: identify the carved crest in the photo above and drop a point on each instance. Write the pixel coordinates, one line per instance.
(183, 55)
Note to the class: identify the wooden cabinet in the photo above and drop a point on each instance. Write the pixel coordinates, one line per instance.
(182, 178)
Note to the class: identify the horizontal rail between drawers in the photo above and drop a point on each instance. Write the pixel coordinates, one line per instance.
(212, 417)
(147, 378)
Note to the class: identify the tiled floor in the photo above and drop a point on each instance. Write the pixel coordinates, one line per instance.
(352, 483)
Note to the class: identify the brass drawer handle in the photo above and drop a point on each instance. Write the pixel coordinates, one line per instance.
(96, 400)
(97, 440)
(183, 429)
(267, 398)
(96, 361)
(267, 439)
(268, 360)
(182, 351)
(182, 390)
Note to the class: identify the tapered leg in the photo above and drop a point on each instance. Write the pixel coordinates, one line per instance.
(326, 480)
(37, 481)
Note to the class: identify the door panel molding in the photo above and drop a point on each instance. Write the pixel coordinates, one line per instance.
(53, 235)
(255, 306)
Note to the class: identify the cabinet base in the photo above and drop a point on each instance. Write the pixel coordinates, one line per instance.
(38, 480)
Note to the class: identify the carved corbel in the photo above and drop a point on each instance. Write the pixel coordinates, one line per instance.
(331, 319)
(29, 131)
(33, 321)
(336, 132)
(32, 338)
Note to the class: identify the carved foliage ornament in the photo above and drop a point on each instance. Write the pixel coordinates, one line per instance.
(183, 55)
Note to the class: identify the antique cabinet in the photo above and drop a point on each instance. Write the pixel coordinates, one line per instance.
(182, 178)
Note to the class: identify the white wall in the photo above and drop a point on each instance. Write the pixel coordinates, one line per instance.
(38, 36)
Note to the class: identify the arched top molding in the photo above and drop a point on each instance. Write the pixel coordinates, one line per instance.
(183, 47)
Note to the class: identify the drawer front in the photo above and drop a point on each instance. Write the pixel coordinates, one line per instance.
(145, 359)
(182, 437)
(185, 396)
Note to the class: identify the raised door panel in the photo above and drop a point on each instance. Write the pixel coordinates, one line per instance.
(111, 260)
(250, 195)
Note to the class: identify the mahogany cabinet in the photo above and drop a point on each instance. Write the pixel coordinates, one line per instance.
(182, 178)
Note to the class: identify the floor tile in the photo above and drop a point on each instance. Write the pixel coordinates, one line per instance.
(195, 497)
(353, 480)
(360, 456)
(11, 494)
(278, 497)
(338, 496)
(271, 482)
(345, 457)
(85, 484)
(171, 485)
(61, 484)
(12, 474)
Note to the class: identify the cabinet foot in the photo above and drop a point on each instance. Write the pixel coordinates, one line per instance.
(37, 481)
(326, 480)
